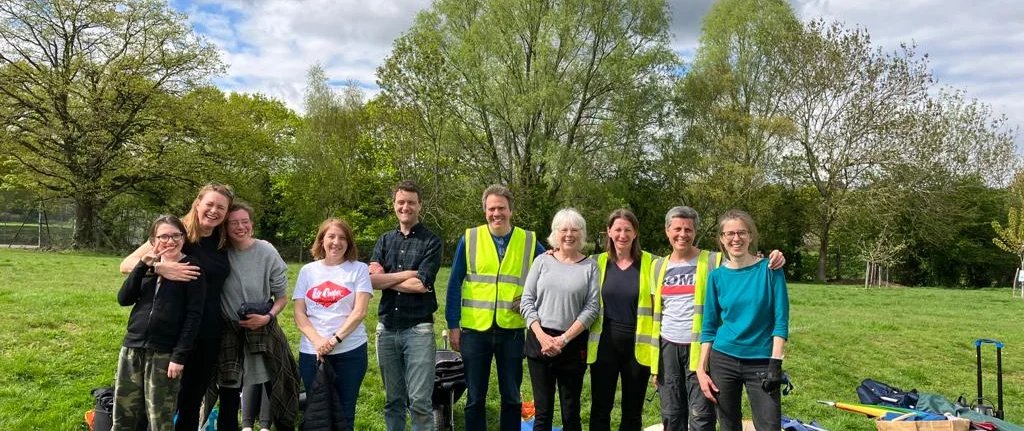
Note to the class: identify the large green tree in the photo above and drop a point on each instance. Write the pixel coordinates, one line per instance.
(526, 93)
(728, 121)
(86, 90)
(333, 168)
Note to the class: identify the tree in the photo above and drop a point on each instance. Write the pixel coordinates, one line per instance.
(333, 168)
(726, 120)
(849, 103)
(87, 86)
(1011, 237)
(525, 92)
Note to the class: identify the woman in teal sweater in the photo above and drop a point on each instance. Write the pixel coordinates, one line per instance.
(746, 324)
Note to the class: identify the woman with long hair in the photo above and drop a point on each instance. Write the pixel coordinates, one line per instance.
(205, 247)
(615, 351)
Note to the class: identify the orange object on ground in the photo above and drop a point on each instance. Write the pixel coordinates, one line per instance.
(528, 410)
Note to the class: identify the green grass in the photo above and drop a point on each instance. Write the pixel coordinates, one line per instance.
(61, 328)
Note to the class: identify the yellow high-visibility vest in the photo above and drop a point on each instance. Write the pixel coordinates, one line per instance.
(707, 261)
(644, 312)
(492, 290)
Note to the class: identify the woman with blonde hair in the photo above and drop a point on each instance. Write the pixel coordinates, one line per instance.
(205, 248)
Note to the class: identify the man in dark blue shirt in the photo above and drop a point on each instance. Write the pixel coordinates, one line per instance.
(403, 267)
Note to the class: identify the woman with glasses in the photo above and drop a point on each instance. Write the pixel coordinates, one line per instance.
(560, 301)
(255, 355)
(204, 244)
(746, 325)
(162, 325)
(678, 286)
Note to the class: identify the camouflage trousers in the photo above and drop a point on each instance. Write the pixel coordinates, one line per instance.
(142, 391)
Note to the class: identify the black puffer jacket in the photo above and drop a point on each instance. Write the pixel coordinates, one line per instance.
(165, 319)
(323, 408)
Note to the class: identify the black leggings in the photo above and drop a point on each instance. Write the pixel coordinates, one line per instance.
(195, 380)
(616, 357)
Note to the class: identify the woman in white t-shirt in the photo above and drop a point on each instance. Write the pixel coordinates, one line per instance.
(331, 298)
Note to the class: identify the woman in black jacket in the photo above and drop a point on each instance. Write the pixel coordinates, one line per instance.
(162, 326)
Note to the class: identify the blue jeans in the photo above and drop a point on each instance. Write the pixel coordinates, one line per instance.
(349, 370)
(406, 359)
(478, 348)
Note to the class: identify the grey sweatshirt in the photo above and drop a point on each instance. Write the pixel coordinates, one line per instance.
(556, 294)
(257, 273)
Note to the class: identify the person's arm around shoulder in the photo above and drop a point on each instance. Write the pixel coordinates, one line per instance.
(453, 301)
(177, 271)
(776, 260)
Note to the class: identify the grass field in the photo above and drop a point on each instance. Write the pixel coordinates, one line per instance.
(61, 327)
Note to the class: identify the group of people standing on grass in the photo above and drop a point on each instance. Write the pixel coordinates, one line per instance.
(699, 325)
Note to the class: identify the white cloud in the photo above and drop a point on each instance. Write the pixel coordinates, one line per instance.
(270, 44)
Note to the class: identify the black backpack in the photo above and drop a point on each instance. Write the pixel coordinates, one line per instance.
(103, 418)
(878, 393)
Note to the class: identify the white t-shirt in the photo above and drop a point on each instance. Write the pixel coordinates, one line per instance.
(677, 301)
(329, 293)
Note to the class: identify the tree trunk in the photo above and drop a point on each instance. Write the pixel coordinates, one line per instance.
(87, 227)
(823, 251)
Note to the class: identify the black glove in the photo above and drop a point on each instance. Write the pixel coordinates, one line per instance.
(773, 378)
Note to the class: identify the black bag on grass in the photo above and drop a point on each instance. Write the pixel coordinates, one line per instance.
(103, 418)
(878, 393)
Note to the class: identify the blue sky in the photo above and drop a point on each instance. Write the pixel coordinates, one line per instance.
(268, 45)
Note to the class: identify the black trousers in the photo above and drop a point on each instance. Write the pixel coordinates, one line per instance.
(731, 375)
(195, 380)
(564, 372)
(616, 359)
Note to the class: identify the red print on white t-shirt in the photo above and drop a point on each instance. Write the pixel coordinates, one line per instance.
(327, 293)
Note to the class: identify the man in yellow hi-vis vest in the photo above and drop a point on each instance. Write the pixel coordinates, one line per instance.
(484, 289)
(677, 285)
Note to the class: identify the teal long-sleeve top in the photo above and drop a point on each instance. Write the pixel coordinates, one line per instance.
(744, 308)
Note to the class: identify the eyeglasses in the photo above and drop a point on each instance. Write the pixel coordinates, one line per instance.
(736, 233)
(172, 237)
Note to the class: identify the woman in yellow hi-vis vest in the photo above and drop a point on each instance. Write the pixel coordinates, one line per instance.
(677, 285)
(619, 346)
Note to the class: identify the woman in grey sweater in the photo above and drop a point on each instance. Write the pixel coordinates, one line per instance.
(560, 301)
(258, 277)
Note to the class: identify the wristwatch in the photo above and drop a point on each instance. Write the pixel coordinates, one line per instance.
(337, 338)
